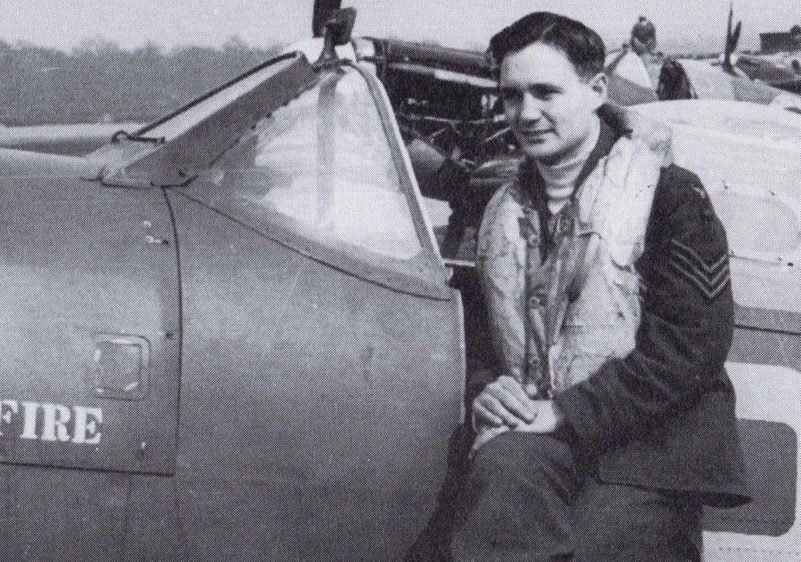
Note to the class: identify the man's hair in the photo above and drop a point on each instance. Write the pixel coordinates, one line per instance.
(582, 46)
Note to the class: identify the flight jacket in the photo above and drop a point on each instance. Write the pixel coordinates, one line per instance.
(661, 414)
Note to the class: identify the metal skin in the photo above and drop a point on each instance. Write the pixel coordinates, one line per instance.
(318, 405)
(315, 407)
(765, 70)
(78, 272)
(201, 387)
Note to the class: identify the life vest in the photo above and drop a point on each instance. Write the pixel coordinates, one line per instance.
(555, 322)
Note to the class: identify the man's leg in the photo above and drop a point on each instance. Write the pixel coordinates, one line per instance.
(515, 501)
(629, 524)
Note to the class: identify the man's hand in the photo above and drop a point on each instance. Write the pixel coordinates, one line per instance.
(504, 402)
(549, 418)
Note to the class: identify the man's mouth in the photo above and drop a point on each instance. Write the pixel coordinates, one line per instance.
(535, 134)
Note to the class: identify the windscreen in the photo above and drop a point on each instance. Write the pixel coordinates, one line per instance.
(322, 165)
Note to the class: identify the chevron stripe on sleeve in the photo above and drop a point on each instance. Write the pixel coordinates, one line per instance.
(710, 277)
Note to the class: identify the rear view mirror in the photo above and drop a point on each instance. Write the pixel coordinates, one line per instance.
(337, 31)
(322, 10)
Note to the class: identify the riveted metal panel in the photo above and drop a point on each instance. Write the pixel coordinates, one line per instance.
(314, 402)
(89, 318)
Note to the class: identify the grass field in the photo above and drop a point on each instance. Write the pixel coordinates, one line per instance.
(101, 82)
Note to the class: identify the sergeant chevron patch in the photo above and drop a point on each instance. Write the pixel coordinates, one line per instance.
(710, 277)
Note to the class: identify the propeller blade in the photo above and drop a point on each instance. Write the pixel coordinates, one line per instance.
(732, 38)
(736, 36)
(728, 27)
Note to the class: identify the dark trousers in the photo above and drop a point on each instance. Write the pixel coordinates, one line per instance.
(527, 497)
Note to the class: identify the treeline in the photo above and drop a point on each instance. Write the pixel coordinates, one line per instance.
(99, 81)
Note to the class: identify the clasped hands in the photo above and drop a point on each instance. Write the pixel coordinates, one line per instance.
(506, 402)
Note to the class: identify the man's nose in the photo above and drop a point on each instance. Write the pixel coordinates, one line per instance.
(530, 108)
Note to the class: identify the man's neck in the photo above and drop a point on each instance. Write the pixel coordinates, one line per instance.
(560, 177)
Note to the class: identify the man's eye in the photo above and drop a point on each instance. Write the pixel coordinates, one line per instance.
(510, 95)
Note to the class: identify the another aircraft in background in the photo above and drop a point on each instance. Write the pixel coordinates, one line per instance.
(780, 70)
(736, 77)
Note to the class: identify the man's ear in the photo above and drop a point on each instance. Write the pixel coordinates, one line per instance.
(600, 87)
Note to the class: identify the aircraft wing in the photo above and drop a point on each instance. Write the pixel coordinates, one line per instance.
(749, 160)
(25, 163)
(71, 140)
(688, 78)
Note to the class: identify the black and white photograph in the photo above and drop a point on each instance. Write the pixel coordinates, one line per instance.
(420, 281)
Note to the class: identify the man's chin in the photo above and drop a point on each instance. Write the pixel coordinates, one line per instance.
(544, 151)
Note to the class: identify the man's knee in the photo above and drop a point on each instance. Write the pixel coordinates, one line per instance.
(515, 503)
(527, 455)
(519, 473)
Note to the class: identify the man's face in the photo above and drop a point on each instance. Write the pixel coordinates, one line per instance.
(549, 107)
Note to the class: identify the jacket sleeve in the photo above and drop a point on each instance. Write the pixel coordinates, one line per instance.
(686, 324)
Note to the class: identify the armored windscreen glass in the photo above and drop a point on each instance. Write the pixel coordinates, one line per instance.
(323, 165)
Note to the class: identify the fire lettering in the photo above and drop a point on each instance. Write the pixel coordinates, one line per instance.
(56, 423)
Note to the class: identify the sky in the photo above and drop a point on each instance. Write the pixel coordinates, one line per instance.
(459, 23)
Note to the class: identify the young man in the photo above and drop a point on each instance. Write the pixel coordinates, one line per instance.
(605, 273)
